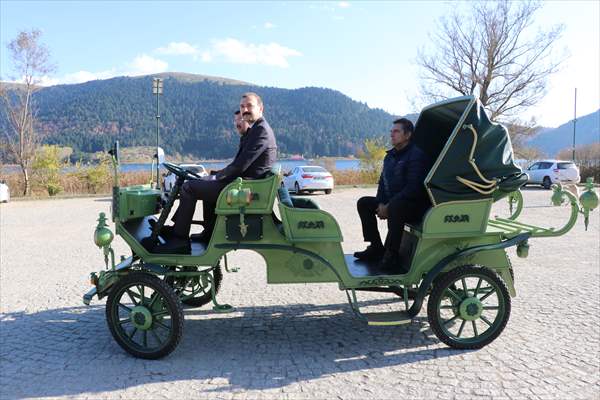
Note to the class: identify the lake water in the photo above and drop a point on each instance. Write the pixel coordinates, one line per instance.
(286, 165)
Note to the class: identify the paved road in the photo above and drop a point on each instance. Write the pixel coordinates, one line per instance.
(288, 341)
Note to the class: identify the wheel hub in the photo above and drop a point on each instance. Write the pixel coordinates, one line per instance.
(470, 309)
(141, 317)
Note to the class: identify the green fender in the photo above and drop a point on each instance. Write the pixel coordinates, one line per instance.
(437, 269)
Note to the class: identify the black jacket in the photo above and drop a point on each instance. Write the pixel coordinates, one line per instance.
(256, 155)
(403, 175)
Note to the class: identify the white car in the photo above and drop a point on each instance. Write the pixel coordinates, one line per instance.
(308, 178)
(170, 178)
(547, 172)
(4, 193)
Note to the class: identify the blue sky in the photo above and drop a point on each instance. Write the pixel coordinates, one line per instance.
(364, 49)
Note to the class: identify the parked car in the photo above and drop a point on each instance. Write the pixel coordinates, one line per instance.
(547, 172)
(4, 192)
(308, 178)
(169, 179)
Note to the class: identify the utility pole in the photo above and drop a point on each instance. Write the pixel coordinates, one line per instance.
(574, 123)
(157, 89)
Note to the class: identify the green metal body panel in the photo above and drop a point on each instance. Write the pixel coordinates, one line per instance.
(309, 225)
(136, 201)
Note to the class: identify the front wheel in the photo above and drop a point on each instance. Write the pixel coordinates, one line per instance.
(468, 307)
(297, 188)
(327, 191)
(144, 316)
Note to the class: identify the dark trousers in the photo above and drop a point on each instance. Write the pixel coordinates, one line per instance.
(192, 191)
(399, 213)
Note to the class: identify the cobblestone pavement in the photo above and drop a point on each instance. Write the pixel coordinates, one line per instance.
(289, 341)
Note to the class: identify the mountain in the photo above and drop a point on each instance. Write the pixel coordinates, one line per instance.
(552, 140)
(196, 116)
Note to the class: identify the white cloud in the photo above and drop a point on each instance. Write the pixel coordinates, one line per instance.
(343, 4)
(44, 81)
(239, 52)
(141, 65)
(206, 56)
(269, 25)
(178, 49)
(77, 77)
(338, 17)
(144, 65)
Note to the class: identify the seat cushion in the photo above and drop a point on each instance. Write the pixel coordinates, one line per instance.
(301, 202)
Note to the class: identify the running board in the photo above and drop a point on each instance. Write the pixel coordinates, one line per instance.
(387, 318)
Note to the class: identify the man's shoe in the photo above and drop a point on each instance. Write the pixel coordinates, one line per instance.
(175, 245)
(391, 262)
(372, 253)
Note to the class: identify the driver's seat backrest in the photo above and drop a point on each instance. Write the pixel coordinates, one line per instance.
(284, 196)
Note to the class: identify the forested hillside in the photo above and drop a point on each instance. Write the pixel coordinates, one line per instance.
(551, 141)
(196, 116)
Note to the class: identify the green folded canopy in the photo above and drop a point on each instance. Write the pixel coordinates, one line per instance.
(473, 156)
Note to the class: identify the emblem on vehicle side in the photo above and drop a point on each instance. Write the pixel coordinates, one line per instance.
(380, 281)
(311, 225)
(456, 218)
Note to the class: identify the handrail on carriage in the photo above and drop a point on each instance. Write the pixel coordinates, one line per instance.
(510, 227)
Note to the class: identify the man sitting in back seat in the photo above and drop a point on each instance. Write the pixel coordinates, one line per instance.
(400, 198)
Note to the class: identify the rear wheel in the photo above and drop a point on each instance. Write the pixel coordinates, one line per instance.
(144, 316)
(297, 188)
(327, 191)
(468, 307)
(547, 183)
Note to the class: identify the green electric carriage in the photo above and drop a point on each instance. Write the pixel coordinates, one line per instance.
(456, 255)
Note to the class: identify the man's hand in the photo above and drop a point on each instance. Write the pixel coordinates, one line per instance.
(382, 211)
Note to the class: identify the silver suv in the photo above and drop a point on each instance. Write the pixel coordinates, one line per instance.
(547, 172)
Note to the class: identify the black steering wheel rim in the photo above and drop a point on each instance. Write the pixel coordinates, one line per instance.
(180, 171)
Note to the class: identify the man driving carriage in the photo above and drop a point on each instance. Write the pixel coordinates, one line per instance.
(400, 198)
(255, 157)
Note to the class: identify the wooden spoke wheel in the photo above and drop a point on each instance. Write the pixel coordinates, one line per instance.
(144, 315)
(468, 307)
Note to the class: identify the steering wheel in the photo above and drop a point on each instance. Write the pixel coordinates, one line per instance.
(181, 172)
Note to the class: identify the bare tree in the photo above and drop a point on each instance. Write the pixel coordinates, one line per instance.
(491, 46)
(31, 62)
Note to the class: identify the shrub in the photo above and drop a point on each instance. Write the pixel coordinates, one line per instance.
(46, 169)
(371, 160)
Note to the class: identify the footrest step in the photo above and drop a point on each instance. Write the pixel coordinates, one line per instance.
(388, 318)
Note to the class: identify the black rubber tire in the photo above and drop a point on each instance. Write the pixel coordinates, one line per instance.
(206, 297)
(173, 306)
(297, 188)
(328, 191)
(547, 183)
(449, 279)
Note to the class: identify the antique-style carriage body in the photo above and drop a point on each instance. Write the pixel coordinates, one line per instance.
(456, 256)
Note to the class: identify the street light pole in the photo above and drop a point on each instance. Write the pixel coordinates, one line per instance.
(157, 89)
(574, 123)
